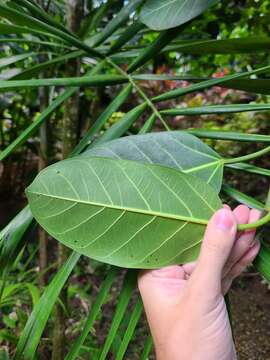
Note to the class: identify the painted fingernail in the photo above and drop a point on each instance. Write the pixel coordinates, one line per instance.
(224, 220)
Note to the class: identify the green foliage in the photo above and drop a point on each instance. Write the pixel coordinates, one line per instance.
(166, 14)
(147, 197)
(35, 46)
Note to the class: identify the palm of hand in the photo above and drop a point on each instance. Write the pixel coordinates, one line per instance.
(185, 305)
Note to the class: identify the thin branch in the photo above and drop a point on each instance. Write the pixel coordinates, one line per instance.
(140, 91)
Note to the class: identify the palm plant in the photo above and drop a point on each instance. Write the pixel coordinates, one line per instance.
(104, 47)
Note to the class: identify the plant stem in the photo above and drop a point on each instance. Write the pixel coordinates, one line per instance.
(262, 221)
(247, 157)
(141, 92)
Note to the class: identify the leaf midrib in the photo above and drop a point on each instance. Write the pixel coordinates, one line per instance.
(134, 210)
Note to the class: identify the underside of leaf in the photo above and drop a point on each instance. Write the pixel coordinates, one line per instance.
(123, 212)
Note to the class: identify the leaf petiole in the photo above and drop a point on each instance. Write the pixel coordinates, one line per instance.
(264, 220)
(247, 157)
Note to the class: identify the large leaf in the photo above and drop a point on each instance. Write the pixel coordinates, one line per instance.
(166, 14)
(122, 212)
(175, 149)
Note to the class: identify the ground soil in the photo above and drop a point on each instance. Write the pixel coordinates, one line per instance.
(250, 307)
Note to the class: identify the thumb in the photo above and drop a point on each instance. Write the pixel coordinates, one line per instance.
(217, 244)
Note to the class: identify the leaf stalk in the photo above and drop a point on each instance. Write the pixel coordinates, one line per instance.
(247, 157)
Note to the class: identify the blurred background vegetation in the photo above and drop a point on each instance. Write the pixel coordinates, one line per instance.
(35, 265)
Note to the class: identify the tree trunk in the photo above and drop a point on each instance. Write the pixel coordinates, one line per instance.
(69, 139)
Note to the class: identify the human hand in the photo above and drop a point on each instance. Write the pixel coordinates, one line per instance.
(184, 304)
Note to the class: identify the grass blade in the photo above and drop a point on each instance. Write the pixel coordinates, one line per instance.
(127, 35)
(96, 80)
(7, 29)
(20, 18)
(11, 238)
(134, 318)
(122, 125)
(148, 125)
(262, 261)
(229, 135)
(123, 300)
(4, 62)
(38, 12)
(95, 311)
(36, 323)
(246, 45)
(242, 198)
(250, 168)
(152, 50)
(117, 21)
(35, 70)
(103, 118)
(36, 124)
(216, 109)
(147, 348)
(206, 84)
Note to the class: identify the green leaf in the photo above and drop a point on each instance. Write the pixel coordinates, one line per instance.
(95, 80)
(166, 14)
(208, 83)
(258, 86)
(7, 29)
(247, 45)
(12, 238)
(94, 19)
(147, 348)
(93, 314)
(216, 109)
(103, 118)
(262, 261)
(36, 323)
(153, 49)
(119, 128)
(127, 35)
(117, 21)
(31, 42)
(37, 69)
(14, 59)
(122, 303)
(174, 149)
(39, 13)
(37, 123)
(229, 135)
(87, 203)
(242, 198)
(22, 19)
(148, 125)
(250, 168)
(133, 321)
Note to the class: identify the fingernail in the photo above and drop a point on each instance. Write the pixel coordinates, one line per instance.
(224, 220)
